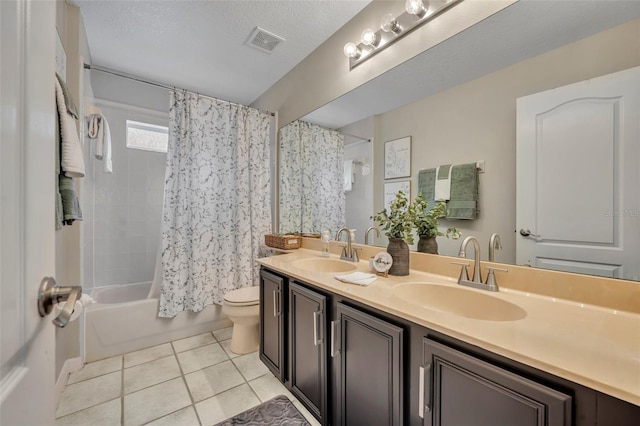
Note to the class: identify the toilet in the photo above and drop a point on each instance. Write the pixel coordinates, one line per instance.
(242, 306)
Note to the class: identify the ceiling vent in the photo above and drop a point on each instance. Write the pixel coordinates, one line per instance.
(264, 40)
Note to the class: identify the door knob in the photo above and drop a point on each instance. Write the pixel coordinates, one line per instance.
(525, 232)
(49, 293)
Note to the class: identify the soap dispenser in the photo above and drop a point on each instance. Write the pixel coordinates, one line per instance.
(325, 243)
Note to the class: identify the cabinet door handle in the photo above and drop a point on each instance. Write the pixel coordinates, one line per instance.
(276, 303)
(334, 332)
(424, 394)
(316, 316)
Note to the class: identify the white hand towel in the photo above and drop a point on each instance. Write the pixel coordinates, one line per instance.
(443, 185)
(348, 174)
(71, 158)
(99, 130)
(359, 278)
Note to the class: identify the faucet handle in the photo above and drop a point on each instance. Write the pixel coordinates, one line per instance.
(344, 254)
(491, 278)
(464, 276)
(354, 254)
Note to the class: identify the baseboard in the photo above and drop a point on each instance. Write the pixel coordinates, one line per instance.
(70, 366)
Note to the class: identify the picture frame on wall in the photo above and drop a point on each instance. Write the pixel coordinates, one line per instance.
(392, 188)
(397, 158)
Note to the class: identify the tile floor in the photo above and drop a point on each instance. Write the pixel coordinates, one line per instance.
(193, 381)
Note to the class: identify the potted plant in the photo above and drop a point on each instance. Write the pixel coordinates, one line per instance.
(397, 225)
(425, 221)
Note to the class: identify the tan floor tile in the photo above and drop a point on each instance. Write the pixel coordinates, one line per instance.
(193, 342)
(267, 387)
(148, 354)
(155, 402)
(89, 392)
(226, 404)
(226, 346)
(199, 358)
(105, 414)
(185, 417)
(95, 369)
(150, 373)
(213, 380)
(223, 333)
(250, 366)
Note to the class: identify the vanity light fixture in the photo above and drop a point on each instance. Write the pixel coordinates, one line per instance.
(417, 13)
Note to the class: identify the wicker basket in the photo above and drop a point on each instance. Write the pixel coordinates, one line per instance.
(285, 242)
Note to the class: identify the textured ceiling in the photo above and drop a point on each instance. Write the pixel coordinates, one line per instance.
(200, 45)
(523, 30)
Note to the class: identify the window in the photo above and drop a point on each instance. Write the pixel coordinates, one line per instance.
(148, 137)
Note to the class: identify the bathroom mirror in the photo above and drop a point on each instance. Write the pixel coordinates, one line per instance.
(458, 101)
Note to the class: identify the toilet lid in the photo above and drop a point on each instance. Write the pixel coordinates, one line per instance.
(243, 296)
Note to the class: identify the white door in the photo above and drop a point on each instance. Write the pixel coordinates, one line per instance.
(578, 180)
(26, 210)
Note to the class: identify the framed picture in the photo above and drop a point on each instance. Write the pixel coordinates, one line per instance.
(392, 188)
(397, 158)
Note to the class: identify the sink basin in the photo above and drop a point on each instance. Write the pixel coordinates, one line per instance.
(459, 301)
(324, 265)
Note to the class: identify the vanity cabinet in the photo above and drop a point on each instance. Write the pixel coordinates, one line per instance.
(307, 349)
(273, 322)
(368, 360)
(458, 389)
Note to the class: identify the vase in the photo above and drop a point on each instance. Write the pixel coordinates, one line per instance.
(399, 251)
(427, 244)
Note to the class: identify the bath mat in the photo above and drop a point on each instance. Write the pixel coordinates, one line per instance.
(276, 411)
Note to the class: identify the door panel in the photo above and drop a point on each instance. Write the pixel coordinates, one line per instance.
(577, 192)
(27, 188)
(272, 323)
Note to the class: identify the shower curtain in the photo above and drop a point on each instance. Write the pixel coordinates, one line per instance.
(311, 178)
(217, 202)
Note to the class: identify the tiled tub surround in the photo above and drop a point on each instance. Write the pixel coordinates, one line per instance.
(594, 346)
(192, 381)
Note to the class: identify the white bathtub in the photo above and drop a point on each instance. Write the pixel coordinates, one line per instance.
(124, 319)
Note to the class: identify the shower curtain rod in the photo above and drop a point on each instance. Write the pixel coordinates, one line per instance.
(152, 83)
(354, 136)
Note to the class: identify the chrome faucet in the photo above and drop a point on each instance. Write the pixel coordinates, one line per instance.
(348, 253)
(366, 234)
(494, 244)
(476, 280)
(477, 276)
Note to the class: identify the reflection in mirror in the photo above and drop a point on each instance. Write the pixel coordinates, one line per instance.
(474, 118)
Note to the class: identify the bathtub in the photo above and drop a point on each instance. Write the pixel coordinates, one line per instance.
(125, 319)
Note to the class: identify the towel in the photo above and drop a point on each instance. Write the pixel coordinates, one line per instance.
(463, 203)
(99, 130)
(443, 183)
(348, 174)
(70, 151)
(359, 278)
(67, 204)
(426, 184)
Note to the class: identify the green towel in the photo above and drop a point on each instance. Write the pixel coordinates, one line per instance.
(464, 192)
(427, 184)
(67, 203)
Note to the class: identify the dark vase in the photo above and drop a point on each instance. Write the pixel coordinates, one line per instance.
(427, 244)
(399, 251)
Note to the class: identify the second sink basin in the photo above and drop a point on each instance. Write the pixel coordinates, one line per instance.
(324, 265)
(459, 301)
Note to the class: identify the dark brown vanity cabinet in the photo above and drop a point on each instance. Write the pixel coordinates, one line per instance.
(273, 322)
(307, 349)
(460, 390)
(367, 355)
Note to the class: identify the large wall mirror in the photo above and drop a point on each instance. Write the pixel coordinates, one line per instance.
(457, 101)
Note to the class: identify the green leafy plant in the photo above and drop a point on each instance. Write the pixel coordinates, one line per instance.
(425, 220)
(398, 221)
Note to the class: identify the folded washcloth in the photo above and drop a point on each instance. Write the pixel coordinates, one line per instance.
(359, 278)
(99, 130)
(71, 151)
(443, 182)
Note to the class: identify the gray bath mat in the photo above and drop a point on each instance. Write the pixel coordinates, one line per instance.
(276, 411)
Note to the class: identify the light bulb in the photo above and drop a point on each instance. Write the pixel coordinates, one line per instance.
(415, 7)
(389, 23)
(369, 37)
(351, 50)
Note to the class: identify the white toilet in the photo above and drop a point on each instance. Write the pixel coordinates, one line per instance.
(242, 306)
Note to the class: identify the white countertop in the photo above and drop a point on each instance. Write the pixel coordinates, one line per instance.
(596, 347)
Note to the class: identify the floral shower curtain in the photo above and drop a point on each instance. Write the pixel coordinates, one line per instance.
(311, 178)
(217, 202)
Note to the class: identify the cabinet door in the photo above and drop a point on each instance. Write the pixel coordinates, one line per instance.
(307, 349)
(369, 369)
(461, 390)
(272, 323)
